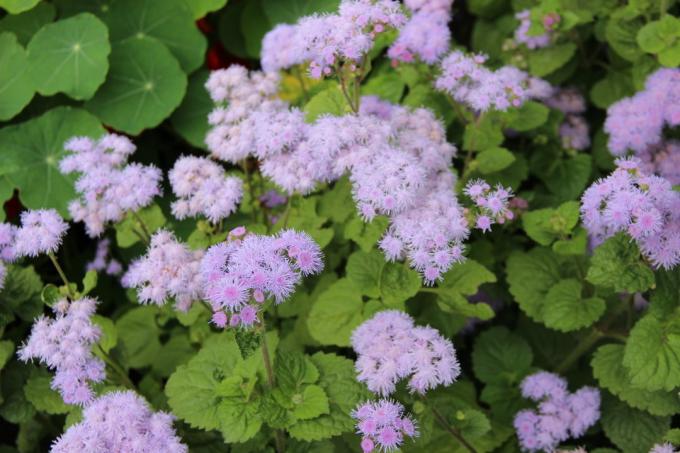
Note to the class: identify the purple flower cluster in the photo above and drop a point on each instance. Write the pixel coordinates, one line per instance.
(467, 80)
(662, 448)
(41, 231)
(644, 206)
(121, 422)
(533, 42)
(492, 206)
(102, 261)
(64, 344)
(242, 273)
(203, 189)
(329, 40)
(390, 347)
(560, 414)
(272, 199)
(107, 185)
(383, 424)
(169, 269)
(426, 34)
(7, 255)
(662, 159)
(398, 161)
(574, 130)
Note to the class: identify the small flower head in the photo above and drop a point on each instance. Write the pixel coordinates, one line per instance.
(383, 424)
(41, 232)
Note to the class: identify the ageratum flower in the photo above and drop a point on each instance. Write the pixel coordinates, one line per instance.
(522, 32)
(64, 344)
(390, 347)
(382, 424)
(41, 231)
(121, 422)
(102, 262)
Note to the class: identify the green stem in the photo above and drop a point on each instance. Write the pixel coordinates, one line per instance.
(581, 348)
(61, 273)
(286, 213)
(249, 183)
(142, 225)
(343, 88)
(117, 368)
(266, 358)
(453, 431)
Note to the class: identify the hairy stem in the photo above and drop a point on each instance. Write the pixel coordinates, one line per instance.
(266, 358)
(120, 372)
(142, 225)
(61, 273)
(454, 432)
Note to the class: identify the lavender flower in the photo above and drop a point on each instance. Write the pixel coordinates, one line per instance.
(662, 159)
(390, 347)
(7, 253)
(169, 269)
(382, 424)
(666, 447)
(441, 6)
(560, 414)
(492, 206)
(102, 262)
(107, 186)
(203, 189)
(64, 344)
(574, 133)
(242, 273)
(121, 422)
(426, 35)
(522, 32)
(645, 207)
(272, 199)
(41, 232)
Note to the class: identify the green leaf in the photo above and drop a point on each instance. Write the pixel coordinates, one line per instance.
(50, 295)
(338, 381)
(144, 85)
(670, 57)
(365, 234)
(565, 310)
(289, 11)
(16, 89)
(37, 147)
(531, 275)
(364, 270)
(192, 389)
(128, 231)
(15, 408)
(109, 337)
(617, 263)
(632, 430)
(549, 59)
(6, 351)
(568, 177)
(609, 371)
(139, 344)
(89, 282)
(546, 225)
(330, 101)
(70, 56)
(38, 391)
(312, 403)
(388, 86)
(177, 351)
(171, 22)
(254, 24)
(652, 353)
(398, 282)
(494, 159)
(614, 86)
(293, 369)
(500, 356)
(304, 216)
(200, 8)
(483, 134)
(21, 292)
(529, 116)
(190, 120)
(658, 35)
(17, 6)
(25, 25)
(621, 36)
(672, 436)
(461, 281)
(335, 314)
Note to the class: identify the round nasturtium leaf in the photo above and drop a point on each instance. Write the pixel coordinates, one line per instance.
(202, 7)
(17, 6)
(27, 24)
(16, 89)
(36, 147)
(169, 21)
(190, 120)
(145, 84)
(70, 56)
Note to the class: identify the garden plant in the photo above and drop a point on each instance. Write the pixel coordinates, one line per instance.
(317, 226)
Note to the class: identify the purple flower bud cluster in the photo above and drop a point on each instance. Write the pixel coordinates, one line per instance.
(662, 159)
(666, 447)
(203, 189)
(398, 161)
(102, 261)
(636, 123)
(559, 415)
(426, 34)
(169, 269)
(121, 422)
(41, 231)
(7, 255)
(64, 344)
(272, 199)
(574, 130)
(241, 273)
(492, 206)
(390, 347)
(467, 80)
(522, 32)
(643, 206)
(329, 40)
(107, 185)
(383, 424)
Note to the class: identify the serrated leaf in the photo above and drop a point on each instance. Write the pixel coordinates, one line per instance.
(293, 369)
(15, 408)
(494, 159)
(139, 344)
(6, 351)
(175, 352)
(658, 35)
(546, 225)
(500, 356)
(632, 430)
(313, 403)
(70, 56)
(190, 119)
(617, 264)
(39, 393)
(608, 369)
(529, 116)
(483, 134)
(549, 59)
(16, 89)
(565, 310)
(169, 22)
(531, 275)
(388, 86)
(109, 336)
(21, 292)
(568, 177)
(144, 85)
(336, 313)
(461, 281)
(398, 282)
(37, 146)
(364, 270)
(365, 234)
(330, 101)
(621, 36)
(652, 354)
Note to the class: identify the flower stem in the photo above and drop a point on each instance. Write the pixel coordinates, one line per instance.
(61, 273)
(266, 358)
(146, 235)
(117, 368)
(581, 348)
(453, 431)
